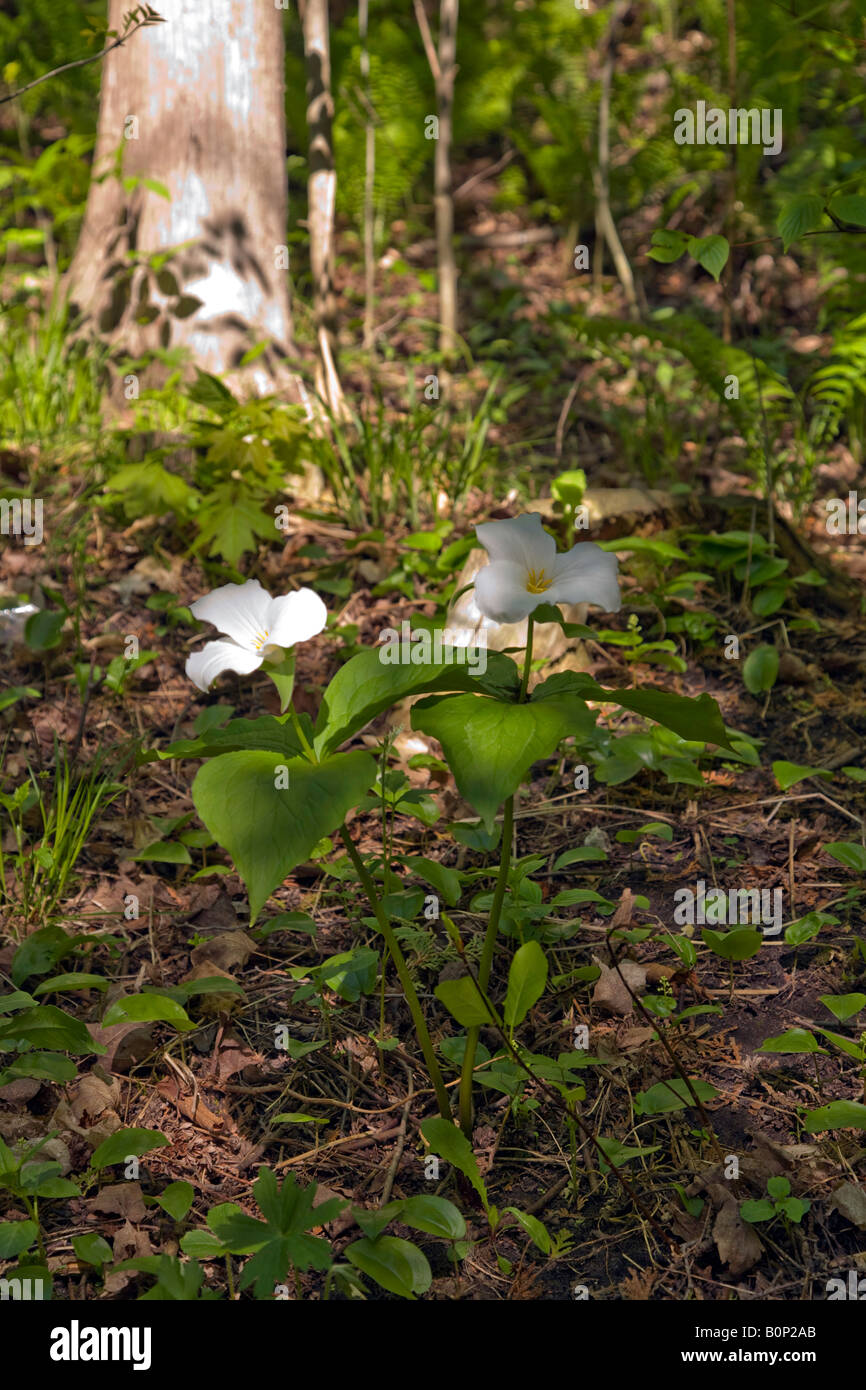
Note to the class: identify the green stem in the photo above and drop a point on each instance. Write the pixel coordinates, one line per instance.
(405, 978)
(485, 966)
(493, 921)
(302, 736)
(527, 660)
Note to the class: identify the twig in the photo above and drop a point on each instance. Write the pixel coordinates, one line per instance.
(485, 173)
(359, 1141)
(427, 39)
(398, 1147)
(81, 62)
(563, 416)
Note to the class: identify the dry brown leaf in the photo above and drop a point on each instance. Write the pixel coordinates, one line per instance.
(108, 1123)
(226, 950)
(92, 1096)
(610, 992)
(55, 1151)
(127, 1044)
(736, 1241)
(233, 1056)
(191, 1107)
(638, 1285)
(363, 1050)
(344, 1220)
(850, 1200)
(19, 1092)
(120, 1199)
(129, 1244)
(214, 913)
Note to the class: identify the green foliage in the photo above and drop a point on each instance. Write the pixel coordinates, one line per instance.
(284, 817)
(241, 455)
(778, 1203)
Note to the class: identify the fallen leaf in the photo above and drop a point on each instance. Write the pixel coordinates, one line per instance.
(638, 1284)
(92, 1096)
(850, 1200)
(233, 1056)
(227, 949)
(129, 1244)
(19, 1092)
(191, 1107)
(736, 1241)
(127, 1044)
(610, 992)
(120, 1199)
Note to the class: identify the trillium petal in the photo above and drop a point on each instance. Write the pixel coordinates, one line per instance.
(295, 618)
(586, 574)
(501, 593)
(215, 657)
(521, 540)
(238, 610)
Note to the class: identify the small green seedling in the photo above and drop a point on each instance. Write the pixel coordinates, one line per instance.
(779, 1202)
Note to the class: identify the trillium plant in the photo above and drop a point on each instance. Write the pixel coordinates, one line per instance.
(257, 629)
(272, 788)
(526, 572)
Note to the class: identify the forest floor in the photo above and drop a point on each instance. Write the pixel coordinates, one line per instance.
(354, 1066)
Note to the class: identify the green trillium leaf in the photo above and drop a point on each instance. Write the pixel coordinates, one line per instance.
(367, 684)
(491, 746)
(269, 812)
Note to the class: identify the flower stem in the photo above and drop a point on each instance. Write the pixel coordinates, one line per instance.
(489, 946)
(405, 978)
(527, 660)
(485, 965)
(302, 736)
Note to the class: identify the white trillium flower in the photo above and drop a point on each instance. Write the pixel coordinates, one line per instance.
(257, 628)
(526, 571)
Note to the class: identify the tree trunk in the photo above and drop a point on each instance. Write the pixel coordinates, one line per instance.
(443, 65)
(369, 183)
(444, 198)
(322, 193)
(195, 104)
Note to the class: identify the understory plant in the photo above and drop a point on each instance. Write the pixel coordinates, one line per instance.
(273, 788)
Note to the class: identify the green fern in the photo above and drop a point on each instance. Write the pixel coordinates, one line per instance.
(836, 388)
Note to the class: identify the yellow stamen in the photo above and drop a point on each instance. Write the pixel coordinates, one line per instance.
(537, 582)
(259, 640)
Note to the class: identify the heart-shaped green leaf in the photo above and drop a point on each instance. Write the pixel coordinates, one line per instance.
(490, 746)
(270, 813)
(760, 669)
(16, 1236)
(789, 774)
(434, 1215)
(665, 1096)
(843, 1006)
(847, 852)
(697, 719)
(741, 944)
(49, 1028)
(141, 1008)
